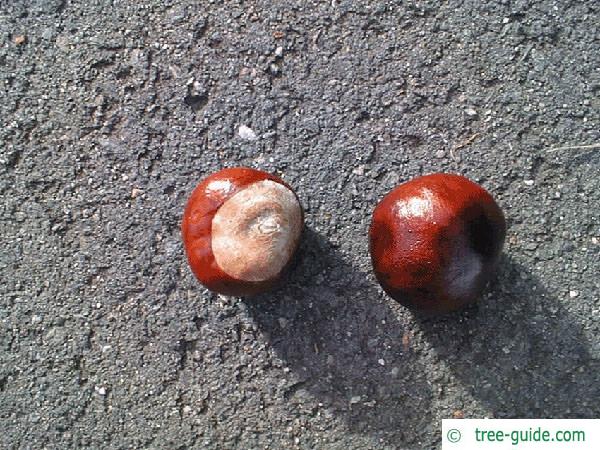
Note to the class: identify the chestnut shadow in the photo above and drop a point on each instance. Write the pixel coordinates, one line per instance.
(343, 345)
(520, 353)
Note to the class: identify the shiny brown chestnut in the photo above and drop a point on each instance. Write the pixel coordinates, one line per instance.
(241, 228)
(435, 242)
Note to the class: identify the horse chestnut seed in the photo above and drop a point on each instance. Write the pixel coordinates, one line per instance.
(435, 242)
(241, 228)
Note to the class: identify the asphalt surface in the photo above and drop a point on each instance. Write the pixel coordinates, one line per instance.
(112, 111)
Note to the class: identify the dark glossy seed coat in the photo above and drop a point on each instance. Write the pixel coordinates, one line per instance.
(435, 242)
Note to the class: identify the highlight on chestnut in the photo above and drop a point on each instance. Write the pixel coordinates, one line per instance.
(241, 228)
(435, 242)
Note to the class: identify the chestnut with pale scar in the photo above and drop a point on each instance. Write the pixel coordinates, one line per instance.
(241, 228)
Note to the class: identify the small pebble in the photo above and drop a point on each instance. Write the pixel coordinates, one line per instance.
(135, 192)
(274, 69)
(381, 362)
(100, 390)
(528, 182)
(458, 414)
(573, 294)
(470, 112)
(279, 52)
(198, 89)
(20, 39)
(359, 170)
(247, 133)
(355, 399)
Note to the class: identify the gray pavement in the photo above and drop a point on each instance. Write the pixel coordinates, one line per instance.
(112, 111)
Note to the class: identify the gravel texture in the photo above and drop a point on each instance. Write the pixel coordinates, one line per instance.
(112, 111)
